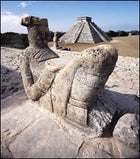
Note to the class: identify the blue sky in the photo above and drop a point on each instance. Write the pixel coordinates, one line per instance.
(62, 15)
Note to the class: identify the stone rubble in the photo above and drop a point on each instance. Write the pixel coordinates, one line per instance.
(126, 75)
(127, 131)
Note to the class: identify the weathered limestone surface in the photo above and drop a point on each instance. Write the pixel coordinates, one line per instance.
(106, 148)
(46, 137)
(29, 131)
(127, 130)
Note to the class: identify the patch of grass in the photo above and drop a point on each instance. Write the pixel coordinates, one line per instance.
(126, 46)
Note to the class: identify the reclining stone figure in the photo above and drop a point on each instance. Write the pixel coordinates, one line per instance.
(71, 88)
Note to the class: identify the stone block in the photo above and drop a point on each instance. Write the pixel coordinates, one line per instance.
(127, 131)
(45, 139)
(77, 114)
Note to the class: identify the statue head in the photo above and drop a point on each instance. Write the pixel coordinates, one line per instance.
(38, 30)
(31, 21)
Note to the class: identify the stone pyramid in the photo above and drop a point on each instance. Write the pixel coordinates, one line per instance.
(85, 31)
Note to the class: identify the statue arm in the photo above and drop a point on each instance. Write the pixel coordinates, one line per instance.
(35, 90)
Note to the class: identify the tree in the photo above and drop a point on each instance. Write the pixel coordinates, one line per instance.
(122, 33)
(112, 33)
(135, 32)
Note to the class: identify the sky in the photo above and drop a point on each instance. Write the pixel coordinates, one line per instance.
(62, 15)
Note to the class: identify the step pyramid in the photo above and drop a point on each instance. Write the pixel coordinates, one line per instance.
(85, 31)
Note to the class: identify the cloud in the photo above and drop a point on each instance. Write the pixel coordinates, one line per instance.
(24, 4)
(125, 27)
(7, 12)
(10, 22)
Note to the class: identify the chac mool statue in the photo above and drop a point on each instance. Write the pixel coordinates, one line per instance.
(71, 88)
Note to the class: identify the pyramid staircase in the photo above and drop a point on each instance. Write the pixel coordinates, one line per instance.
(85, 31)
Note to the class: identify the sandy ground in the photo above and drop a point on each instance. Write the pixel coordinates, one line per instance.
(10, 71)
(126, 45)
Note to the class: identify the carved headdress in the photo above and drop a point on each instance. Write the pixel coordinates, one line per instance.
(31, 20)
(38, 35)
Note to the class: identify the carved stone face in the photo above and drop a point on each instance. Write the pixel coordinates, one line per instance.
(38, 29)
(31, 20)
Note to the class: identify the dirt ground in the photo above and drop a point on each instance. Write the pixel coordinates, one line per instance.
(127, 46)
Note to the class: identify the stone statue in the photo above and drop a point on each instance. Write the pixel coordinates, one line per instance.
(55, 41)
(35, 55)
(71, 88)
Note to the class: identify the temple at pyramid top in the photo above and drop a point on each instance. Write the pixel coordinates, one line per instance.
(85, 31)
(84, 19)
